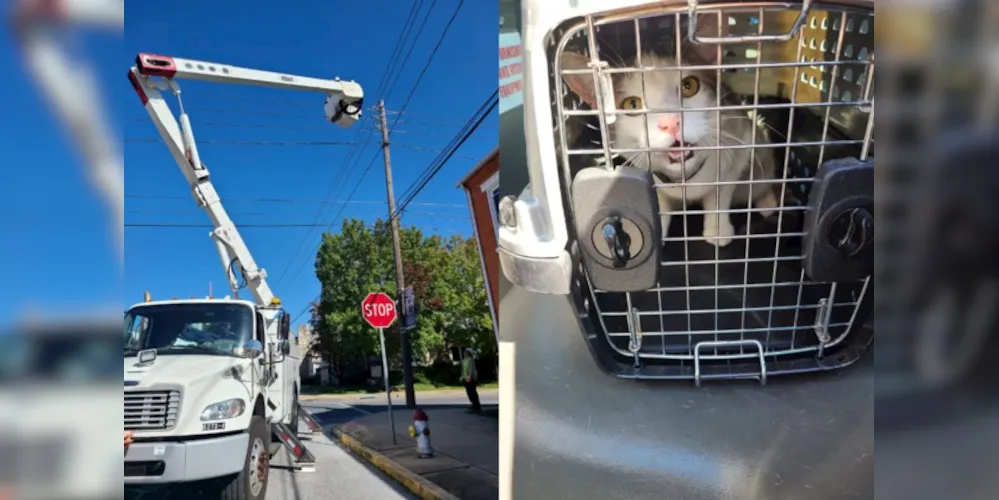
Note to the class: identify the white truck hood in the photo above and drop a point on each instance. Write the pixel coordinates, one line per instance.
(184, 369)
(202, 380)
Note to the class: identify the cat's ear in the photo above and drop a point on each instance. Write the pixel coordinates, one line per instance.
(708, 25)
(579, 84)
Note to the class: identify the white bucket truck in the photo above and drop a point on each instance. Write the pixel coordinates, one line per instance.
(208, 382)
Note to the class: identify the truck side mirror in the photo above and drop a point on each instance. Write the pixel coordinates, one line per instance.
(284, 326)
(252, 348)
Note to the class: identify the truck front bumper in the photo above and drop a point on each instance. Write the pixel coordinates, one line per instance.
(169, 462)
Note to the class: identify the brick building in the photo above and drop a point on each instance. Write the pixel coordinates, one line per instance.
(482, 187)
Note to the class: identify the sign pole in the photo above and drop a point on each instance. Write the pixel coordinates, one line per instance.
(378, 309)
(388, 392)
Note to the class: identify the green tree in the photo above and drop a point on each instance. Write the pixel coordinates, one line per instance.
(462, 291)
(446, 278)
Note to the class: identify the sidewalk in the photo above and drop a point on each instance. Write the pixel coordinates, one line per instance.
(466, 461)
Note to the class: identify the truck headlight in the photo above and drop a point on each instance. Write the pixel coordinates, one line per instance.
(223, 410)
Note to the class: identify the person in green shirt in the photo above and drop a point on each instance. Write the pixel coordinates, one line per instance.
(470, 376)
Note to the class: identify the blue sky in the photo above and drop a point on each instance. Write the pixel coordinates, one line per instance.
(58, 250)
(352, 40)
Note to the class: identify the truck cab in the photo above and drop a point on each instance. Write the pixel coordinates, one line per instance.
(198, 376)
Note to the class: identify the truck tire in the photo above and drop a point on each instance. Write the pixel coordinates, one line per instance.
(251, 483)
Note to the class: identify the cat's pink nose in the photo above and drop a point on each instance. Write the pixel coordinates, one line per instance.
(670, 124)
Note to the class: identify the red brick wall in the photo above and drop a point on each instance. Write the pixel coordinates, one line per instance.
(483, 220)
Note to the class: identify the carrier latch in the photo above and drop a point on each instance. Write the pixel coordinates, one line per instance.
(618, 227)
(839, 226)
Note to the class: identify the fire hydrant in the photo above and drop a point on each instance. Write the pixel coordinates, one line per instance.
(421, 431)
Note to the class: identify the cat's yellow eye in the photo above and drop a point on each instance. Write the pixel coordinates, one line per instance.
(690, 86)
(631, 102)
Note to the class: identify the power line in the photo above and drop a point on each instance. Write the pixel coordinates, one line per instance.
(277, 126)
(236, 142)
(435, 166)
(468, 129)
(453, 119)
(413, 12)
(232, 142)
(426, 65)
(172, 225)
(239, 213)
(420, 133)
(342, 207)
(290, 200)
(422, 118)
(444, 33)
(281, 126)
(209, 226)
(438, 214)
(412, 45)
(401, 110)
(425, 123)
(387, 81)
(352, 153)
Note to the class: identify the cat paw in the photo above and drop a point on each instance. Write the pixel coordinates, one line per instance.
(767, 205)
(720, 236)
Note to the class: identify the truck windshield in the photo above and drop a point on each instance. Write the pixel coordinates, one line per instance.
(213, 329)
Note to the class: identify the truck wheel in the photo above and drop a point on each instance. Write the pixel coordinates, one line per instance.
(251, 483)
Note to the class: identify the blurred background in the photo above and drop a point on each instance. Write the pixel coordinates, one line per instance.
(61, 247)
(936, 432)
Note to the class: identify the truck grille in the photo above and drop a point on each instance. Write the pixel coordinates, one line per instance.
(151, 410)
(747, 309)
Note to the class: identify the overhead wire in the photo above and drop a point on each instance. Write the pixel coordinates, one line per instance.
(199, 225)
(470, 127)
(243, 142)
(440, 215)
(416, 85)
(288, 200)
(393, 60)
(450, 151)
(426, 66)
(391, 86)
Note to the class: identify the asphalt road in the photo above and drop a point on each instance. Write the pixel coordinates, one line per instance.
(338, 475)
(330, 411)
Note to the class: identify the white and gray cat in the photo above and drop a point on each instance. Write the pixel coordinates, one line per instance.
(663, 90)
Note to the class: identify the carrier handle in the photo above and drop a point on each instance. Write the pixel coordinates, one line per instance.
(806, 5)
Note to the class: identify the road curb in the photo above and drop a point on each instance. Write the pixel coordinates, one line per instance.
(381, 395)
(413, 482)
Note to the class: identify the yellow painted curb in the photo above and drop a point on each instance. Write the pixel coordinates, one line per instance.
(411, 480)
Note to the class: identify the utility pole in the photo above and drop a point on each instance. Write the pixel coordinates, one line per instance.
(400, 280)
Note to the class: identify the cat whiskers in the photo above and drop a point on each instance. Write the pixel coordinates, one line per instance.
(737, 141)
(618, 59)
(721, 139)
(759, 122)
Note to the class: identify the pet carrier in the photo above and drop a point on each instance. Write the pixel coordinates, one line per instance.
(707, 194)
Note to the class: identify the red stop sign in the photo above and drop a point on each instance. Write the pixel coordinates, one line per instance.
(378, 310)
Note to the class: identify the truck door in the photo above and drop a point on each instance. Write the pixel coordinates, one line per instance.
(277, 390)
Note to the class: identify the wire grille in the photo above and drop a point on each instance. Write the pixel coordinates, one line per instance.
(151, 410)
(811, 99)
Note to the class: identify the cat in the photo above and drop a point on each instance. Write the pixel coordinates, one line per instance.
(663, 90)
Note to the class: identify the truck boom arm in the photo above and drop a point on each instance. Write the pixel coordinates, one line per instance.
(153, 74)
